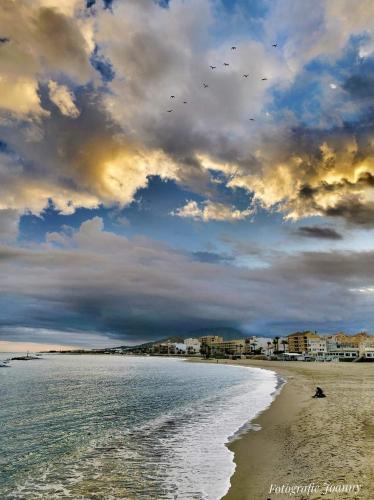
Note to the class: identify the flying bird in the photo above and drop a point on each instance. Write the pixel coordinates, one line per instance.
(172, 97)
(169, 111)
(263, 79)
(233, 47)
(184, 102)
(275, 45)
(212, 67)
(245, 76)
(251, 119)
(226, 64)
(205, 85)
(4, 39)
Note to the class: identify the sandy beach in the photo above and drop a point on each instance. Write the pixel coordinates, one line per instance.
(326, 443)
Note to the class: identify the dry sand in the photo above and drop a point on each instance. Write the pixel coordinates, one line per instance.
(304, 440)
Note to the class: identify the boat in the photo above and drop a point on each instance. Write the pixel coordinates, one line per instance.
(25, 358)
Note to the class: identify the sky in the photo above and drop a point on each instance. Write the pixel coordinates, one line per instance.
(167, 166)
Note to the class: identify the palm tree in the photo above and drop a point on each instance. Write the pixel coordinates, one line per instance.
(284, 343)
(277, 343)
(274, 345)
(269, 346)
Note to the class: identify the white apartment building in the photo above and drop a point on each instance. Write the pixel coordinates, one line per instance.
(329, 347)
(179, 347)
(317, 347)
(192, 346)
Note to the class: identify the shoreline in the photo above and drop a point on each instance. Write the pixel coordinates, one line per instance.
(251, 424)
(302, 441)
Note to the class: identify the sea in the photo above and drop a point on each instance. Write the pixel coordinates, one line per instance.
(124, 427)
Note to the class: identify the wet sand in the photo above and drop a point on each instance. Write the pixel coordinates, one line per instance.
(305, 441)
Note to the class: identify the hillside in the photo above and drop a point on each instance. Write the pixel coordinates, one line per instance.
(226, 332)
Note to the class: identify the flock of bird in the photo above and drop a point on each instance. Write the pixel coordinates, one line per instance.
(225, 64)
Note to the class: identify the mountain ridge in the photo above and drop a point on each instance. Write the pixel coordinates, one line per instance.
(228, 333)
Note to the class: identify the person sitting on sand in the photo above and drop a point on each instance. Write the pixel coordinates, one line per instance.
(319, 393)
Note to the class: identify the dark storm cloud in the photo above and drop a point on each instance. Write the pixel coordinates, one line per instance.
(353, 211)
(319, 232)
(131, 288)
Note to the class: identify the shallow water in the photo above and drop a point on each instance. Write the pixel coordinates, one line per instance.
(116, 427)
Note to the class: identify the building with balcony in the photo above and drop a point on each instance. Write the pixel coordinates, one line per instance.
(207, 342)
(317, 347)
(228, 348)
(298, 341)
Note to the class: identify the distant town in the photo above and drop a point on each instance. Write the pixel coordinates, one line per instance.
(298, 346)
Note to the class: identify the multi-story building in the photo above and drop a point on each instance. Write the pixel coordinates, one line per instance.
(298, 341)
(317, 347)
(228, 348)
(192, 346)
(210, 339)
(336, 347)
(169, 348)
(163, 348)
(342, 347)
(207, 341)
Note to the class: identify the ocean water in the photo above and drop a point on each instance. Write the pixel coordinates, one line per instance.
(116, 427)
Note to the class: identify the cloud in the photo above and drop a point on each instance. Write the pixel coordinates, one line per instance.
(324, 32)
(168, 52)
(96, 281)
(319, 232)
(309, 172)
(212, 211)
(121, 133)
(63, 98)
(83, 123)
(9, 220)
(82, 162)
(45, 40)
(212, 257)
(20, 96)
(47, 338)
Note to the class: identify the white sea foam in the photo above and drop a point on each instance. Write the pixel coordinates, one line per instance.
(203, 464)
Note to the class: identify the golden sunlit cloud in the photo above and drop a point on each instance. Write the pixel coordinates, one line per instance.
(210, 211)
(63, 98)
(20, 96)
